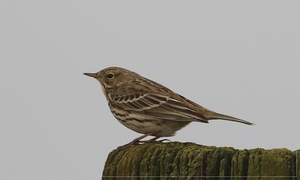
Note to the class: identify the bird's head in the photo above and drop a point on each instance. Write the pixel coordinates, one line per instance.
(112, 77)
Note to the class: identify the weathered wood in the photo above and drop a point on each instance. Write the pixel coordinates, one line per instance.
(191, 161)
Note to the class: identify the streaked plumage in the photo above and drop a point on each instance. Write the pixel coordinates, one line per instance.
(149, 108)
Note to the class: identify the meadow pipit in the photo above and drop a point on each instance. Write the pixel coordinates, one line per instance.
(149, 108)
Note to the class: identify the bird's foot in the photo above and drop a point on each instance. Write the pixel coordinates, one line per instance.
(135, 141)
(154, 140)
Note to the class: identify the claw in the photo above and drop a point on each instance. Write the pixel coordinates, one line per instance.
(165, 140)
(154, 140)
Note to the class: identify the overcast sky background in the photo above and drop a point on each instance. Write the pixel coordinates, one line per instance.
(239, 58)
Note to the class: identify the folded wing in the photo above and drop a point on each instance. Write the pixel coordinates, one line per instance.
(157, 106)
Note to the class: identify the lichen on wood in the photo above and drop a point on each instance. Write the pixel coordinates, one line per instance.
(191, 161)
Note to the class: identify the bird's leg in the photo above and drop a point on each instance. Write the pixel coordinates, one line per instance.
(135, 141)
(155, 140)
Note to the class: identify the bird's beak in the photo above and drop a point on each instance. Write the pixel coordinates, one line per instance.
(94, 75)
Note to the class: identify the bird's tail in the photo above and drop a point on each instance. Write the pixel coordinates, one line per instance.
(214, 116)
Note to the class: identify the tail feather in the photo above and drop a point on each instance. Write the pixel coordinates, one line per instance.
(215, 116)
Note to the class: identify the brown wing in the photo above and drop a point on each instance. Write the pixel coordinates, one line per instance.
(156, 105)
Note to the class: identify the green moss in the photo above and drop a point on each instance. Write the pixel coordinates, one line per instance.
(213, 163)
(239, 164)
(225, 162)
(297, 164)
(135, 162)
(271, 163)
(200, 162)
(254, 166)
(176, 160)
(145, 164)
(276, 162)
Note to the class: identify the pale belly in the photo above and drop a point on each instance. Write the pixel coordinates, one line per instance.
(159, 128)
(144, 124)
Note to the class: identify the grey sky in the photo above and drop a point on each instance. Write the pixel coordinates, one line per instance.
(239, 58)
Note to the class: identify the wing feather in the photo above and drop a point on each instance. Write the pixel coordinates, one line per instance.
(157, 106)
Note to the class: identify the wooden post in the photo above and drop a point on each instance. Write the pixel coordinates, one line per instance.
(191, 161)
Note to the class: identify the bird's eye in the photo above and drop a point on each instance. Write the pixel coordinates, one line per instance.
(110, 76)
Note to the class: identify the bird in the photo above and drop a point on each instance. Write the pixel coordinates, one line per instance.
(148, 107)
